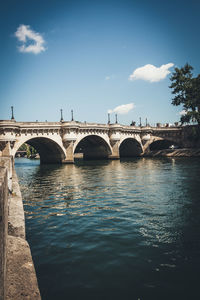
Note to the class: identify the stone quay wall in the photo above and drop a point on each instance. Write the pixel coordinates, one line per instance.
(18, 279)
(3, 227)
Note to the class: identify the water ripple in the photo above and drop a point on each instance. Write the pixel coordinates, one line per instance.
(114, 228)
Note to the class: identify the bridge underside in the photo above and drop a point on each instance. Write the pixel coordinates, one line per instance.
(93, 147)
(130, 148)
(162, 145)
(49, 151)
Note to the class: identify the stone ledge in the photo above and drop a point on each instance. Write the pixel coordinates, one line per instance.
(16, 219)
(21, 278)
(3, 229)
(6, 162)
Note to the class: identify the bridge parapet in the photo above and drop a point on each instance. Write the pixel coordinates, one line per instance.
(13, 126)
(63, 138)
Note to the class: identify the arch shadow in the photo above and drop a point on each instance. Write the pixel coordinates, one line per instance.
(93, 147)
(130, 148)
(163, 145)
(50, 152)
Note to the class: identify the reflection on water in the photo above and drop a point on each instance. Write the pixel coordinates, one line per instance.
(114, 230)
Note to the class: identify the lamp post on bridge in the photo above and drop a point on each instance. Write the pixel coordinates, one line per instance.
(140, 122)
(61, 115)
(12, 114)
(72, 113)
(116, 119)
(108, 118)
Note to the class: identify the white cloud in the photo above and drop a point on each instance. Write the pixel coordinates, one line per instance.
(107, 78)
(26, 35)
(122, 109)
(151, 73)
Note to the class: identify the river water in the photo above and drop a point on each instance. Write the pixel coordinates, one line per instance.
(125, 229)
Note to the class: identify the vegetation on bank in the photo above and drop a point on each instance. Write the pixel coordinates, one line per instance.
(30, 151)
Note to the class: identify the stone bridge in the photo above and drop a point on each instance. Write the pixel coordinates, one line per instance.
(58, 142)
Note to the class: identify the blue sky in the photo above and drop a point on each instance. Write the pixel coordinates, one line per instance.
(85, 56)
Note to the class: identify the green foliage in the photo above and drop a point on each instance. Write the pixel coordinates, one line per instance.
(186, 89)
(32, 150)
(23, 147)
(29, 150)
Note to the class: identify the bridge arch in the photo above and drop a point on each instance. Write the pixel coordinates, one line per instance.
(50, 151)
(93, 147)
(159, 143)
(130, 147)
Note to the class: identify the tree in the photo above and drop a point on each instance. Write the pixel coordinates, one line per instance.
(30, 151)
(186, 89)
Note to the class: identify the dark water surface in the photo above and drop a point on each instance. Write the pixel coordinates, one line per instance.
(114, 230)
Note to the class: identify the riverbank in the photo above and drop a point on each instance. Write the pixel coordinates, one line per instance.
(185, 152)
(19, 278)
